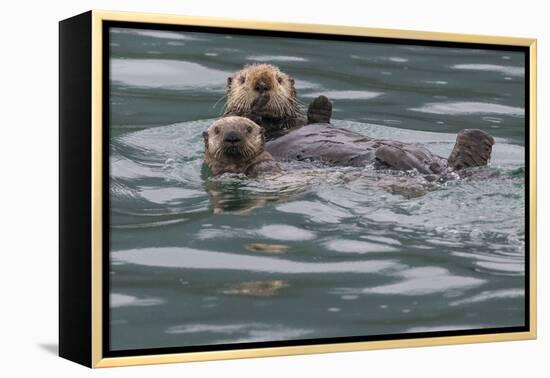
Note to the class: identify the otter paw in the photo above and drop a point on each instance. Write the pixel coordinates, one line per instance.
(254, 117)
(319, 111)
(473, 148)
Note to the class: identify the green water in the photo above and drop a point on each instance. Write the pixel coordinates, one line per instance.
(318, 251)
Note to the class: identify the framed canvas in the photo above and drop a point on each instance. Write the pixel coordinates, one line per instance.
(235, 189)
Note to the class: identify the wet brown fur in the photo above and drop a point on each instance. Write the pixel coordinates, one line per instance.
(264, 94)
(247, 155)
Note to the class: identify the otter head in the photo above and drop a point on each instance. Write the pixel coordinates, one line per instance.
(261, 89)
(233, 139)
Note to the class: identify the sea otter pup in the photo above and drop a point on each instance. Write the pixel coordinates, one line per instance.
(264, 94)
(237, 145)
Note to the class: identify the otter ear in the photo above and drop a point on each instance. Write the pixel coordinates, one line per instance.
(205, 135)
(291, 81)
(262, 130)
(229, 80)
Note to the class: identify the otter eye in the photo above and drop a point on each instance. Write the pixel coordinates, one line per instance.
(279, 79)
(217, 130)
(249, 129)
(242, 79)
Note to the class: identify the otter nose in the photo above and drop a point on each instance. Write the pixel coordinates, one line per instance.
(261, 86)
(232, 137)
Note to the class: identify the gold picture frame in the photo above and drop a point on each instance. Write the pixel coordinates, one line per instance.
(77, 326)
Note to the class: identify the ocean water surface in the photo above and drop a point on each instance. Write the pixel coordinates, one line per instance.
(315, 252)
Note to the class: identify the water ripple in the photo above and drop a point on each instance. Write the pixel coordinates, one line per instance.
(189, 258)
(507, 70)
(167, 74)
(464, 107)
(122, 300)
(426, 280)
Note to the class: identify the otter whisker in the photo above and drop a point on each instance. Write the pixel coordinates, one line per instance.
(218, 101)
(219, 153)
(281, 110)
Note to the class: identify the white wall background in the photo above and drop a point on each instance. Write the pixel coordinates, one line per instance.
(28, 186)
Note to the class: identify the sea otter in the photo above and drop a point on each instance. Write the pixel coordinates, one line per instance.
(322, 142)
(237, 145)
(264, 94)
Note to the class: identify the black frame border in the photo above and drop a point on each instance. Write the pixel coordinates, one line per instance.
(75, 192)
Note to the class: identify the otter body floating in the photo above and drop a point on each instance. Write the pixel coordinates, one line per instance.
(265, 95)
(323, 142)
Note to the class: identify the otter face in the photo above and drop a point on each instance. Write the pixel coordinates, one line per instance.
(234, 138)
(261, 89)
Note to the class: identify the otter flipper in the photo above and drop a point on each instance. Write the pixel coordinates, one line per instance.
(472, 149)
(319, 111)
